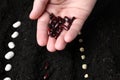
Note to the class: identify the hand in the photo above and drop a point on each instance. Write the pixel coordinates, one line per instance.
(80, 9)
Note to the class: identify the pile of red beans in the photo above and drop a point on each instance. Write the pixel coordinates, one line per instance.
(58, 24)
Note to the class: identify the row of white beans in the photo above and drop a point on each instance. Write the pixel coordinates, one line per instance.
(11, 45)
(83, 57)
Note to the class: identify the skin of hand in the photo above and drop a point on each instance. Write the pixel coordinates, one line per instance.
(80, 9)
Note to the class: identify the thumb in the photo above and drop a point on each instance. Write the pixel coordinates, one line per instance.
(38, 8)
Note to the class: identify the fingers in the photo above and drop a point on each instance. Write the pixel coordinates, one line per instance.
(56, 44)
(64, 38)
(74, 30)
(51, 44)
(42, 35)
(60, 42)
(38, 8)
(42, 29)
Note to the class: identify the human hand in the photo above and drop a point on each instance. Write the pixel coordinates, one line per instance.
(80, 9)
